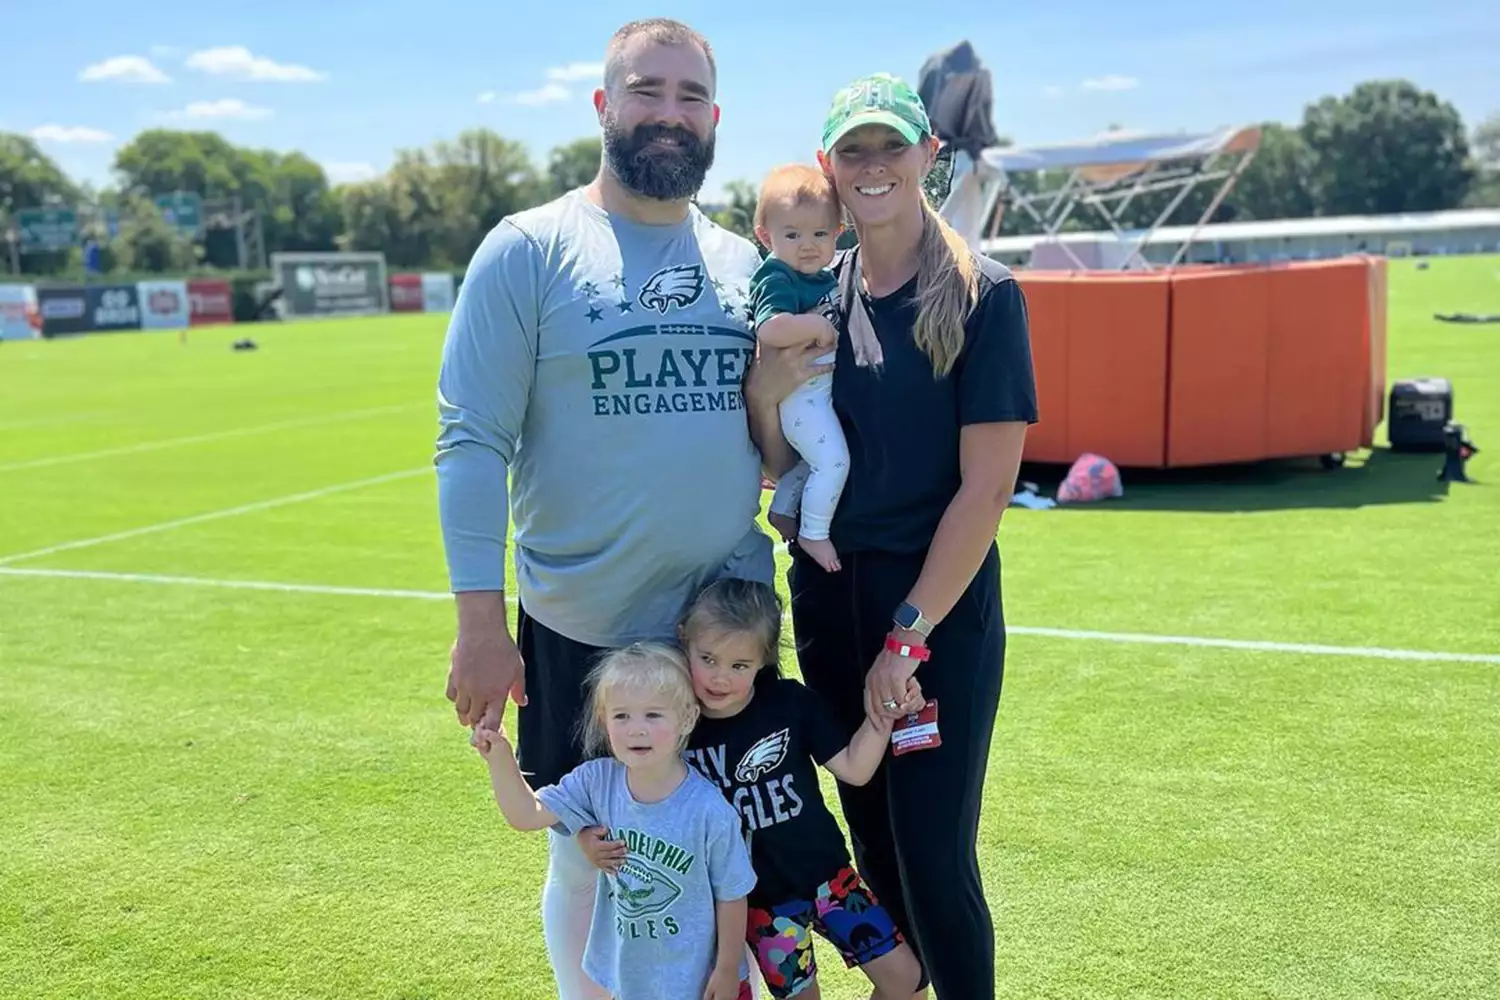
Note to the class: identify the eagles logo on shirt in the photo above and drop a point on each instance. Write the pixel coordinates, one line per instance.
(643, 888)
(679, 285)
(763, 757)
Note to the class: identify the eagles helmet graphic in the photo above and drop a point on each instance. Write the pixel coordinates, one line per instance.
(764, 757)
(679, 285)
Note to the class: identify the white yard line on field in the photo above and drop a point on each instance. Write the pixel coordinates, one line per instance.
(280, 425)
(198, 581)
(1258, 646)
(1254, 646)
(213, 515)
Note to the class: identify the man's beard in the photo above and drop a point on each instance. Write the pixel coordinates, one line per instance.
(653, 171)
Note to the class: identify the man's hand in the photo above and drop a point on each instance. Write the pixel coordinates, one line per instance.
(606, 855)
(785, 524)
(485, 664)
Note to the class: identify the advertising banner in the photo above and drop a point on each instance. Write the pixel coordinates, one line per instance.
(437, 292)
(113, 307)
(19, 318)
(406, 293)
(331, 284)
(210, 300)
(164, 304)
(64, 309)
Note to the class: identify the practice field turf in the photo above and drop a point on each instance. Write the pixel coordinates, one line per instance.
(1247, 748)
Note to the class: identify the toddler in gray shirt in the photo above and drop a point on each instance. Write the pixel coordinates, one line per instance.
(670, 923)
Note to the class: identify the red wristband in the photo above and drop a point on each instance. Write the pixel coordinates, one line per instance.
(907, 649)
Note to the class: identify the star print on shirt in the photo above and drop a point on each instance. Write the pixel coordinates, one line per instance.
(590, 289)
(595, 314)
(623, 305)
(728, 309)
(618, 281)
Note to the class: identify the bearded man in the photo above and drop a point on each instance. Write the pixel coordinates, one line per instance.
(600, 391)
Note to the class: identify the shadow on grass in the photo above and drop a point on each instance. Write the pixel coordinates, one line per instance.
(1378, 477)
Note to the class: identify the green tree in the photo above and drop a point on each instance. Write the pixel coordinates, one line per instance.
(1277, 183)
(305, 214)
(289, 191)
(472, 183)
(738, 216)
(1485, 192)
(370, 218)
(1486, 143)
(29, 178)
(147, 242)
(1387, 147)
(574, 164)
(160, 161)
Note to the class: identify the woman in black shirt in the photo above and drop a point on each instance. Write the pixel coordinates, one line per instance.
(933, 386)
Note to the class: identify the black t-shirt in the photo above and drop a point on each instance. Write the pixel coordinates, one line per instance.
(903, 424)
(765, 762)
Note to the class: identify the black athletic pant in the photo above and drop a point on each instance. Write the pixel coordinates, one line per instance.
(548, 728)
(915, 825)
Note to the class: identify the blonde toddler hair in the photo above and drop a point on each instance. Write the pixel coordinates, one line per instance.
(650, 668)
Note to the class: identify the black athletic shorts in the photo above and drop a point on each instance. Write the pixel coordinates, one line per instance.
(548, 738)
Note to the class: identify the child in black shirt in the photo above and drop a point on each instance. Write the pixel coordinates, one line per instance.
(759, 737)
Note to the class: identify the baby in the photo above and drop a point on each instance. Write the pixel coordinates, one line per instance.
(793, 297)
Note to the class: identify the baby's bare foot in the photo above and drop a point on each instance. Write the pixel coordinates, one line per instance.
(822, 550)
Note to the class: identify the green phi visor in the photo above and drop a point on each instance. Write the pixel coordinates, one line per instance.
(878, 99)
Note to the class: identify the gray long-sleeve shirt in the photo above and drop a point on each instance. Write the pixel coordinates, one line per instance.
(597, 362)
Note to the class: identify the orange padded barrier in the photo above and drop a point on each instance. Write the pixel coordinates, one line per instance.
(1205, 365)
(1117, 366)
(1319, 364)
(1216, 403)
(1047, 310)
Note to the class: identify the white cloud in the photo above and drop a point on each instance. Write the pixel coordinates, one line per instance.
(344, 173)
(576, 71)
(124, 69)
(240, 63)
(553, 90)
(225, 108)
(549, 93)
(1111, 82)
(69, 133)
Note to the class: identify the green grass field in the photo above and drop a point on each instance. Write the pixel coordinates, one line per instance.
(211, 787)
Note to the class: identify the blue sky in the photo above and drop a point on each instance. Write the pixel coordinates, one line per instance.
(348, 83)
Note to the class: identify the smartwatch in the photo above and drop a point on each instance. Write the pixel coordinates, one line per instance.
(909, 617)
